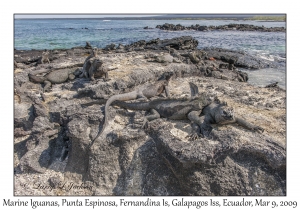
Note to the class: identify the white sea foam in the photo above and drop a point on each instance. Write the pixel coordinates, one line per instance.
(266, 57)
(270, 57)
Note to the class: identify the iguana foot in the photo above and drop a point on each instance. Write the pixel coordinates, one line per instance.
(148, 126)
(145, 124)
(194, 136)
(206, 130)
(258, 129)
(195, 133)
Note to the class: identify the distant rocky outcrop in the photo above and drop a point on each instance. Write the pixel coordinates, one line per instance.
(229, 27)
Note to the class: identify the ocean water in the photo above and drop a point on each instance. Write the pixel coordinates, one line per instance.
(68, 33)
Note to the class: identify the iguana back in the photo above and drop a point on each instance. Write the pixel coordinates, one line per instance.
(169, 108)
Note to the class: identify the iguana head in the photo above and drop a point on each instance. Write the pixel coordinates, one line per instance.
(95, 51)
(224, 114)
(46, 52)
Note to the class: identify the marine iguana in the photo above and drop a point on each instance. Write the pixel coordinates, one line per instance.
(87, 63)
(219, 113)
(142, 93)
(56, 76)
(92, 67)
(44, 58)
(212, 111)
(95, 68)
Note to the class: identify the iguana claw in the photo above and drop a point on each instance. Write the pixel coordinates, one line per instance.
(258, 129)
(145, 124)
(194, 136)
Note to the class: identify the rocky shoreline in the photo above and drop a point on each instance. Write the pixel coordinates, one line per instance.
(229, 27)
(52, 130)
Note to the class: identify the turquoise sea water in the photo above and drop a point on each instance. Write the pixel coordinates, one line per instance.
(68, 33)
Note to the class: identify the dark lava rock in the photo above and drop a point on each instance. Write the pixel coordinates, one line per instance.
(230, 27)
(239, 58)
(178, 43)
(53, 130)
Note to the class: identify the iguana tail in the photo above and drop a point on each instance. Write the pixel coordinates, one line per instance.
(121, 97)
(36, 79)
